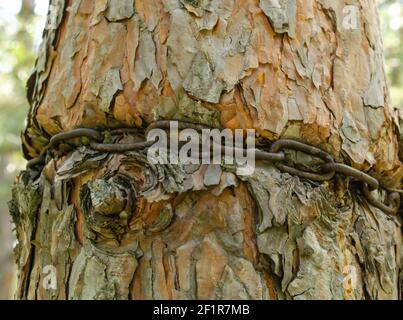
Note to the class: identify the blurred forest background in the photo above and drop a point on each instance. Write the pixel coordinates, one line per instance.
(21, 25)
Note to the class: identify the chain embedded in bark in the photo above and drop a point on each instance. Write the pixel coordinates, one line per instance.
(327, 170)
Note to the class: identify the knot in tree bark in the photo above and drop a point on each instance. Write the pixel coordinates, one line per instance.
(108, 205)
(106, 197)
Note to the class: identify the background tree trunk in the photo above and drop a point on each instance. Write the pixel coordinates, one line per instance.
(303, 69)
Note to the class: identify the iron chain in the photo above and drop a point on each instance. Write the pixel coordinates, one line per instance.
(276, 155)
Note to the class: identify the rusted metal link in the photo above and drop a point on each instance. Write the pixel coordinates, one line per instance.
(259, 154)
(330, 168)
(369, 184)
(119, 131)
(166, 124)
(372, 183)
(119, 148)
(61, 137)
(39, 160)
(393, 201)
(300, 146)
(75, 133)
(319, 177)
(305, 148)
(269, 156)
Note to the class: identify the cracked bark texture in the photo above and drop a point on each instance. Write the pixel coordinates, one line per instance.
(117, 227)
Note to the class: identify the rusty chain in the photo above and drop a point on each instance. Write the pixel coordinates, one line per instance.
(327, 170)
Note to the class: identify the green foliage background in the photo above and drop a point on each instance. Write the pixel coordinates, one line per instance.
(19, 28)
(391, 12)
(18, 32)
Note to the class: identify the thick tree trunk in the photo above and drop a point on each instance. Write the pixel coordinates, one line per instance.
(312, 70)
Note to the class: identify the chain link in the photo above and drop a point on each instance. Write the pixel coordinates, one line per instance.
(307, 149)
(328, 169)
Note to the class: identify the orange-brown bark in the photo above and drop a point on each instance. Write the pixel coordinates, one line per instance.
(292, 69)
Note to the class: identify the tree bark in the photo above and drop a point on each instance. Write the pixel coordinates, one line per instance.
(115, 227)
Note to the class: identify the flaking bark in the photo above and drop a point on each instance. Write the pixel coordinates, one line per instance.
(286, 68)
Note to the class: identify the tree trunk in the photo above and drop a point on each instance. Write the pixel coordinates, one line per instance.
(111, 226)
